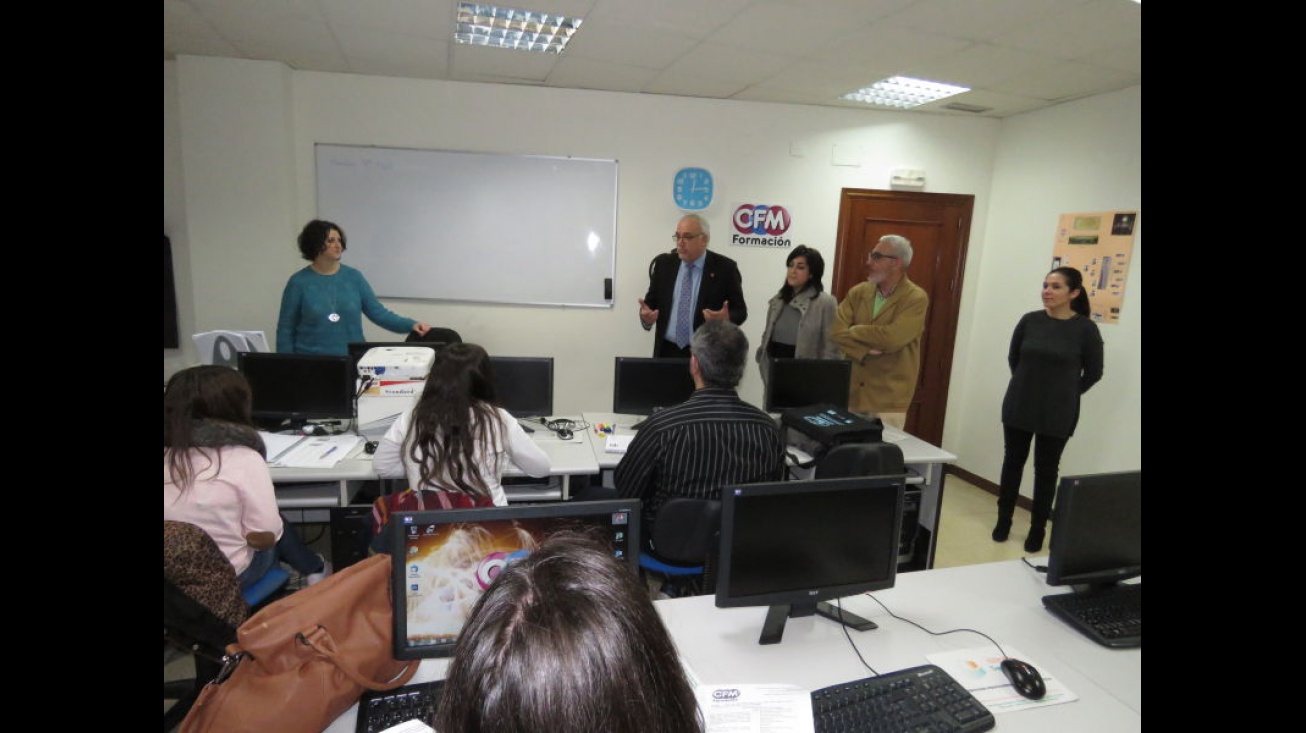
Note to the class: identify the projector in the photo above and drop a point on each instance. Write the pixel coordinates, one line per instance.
(396, 362)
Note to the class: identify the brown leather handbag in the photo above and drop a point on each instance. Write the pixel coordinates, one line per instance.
(305, 659)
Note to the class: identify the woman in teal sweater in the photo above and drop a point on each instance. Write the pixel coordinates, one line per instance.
(323, 305)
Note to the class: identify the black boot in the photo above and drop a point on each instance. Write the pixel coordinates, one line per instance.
(1034, 542)
(1002, 529)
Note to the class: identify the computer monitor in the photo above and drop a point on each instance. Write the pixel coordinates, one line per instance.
(292, 389)
(1097, 530)
(359, 349)
(524, 384)
(794, 545)
(806, 382)
(444, 559)
(643, 385)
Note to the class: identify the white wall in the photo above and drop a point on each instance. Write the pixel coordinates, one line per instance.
(174, 225)
(1081, 156)
(245, 135)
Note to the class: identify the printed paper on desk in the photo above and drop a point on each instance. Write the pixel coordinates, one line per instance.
(319, 452)
(279, 444)
(978, 670)
(618, 443)
(755, 708)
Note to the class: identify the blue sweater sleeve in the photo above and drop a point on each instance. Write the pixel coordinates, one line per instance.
(288, 318)
(379, 314)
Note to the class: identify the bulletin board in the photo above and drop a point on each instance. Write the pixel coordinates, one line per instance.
(1101, 246)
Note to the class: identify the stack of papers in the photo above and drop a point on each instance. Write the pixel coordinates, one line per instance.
(302, 451)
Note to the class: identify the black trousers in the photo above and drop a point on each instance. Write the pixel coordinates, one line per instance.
(1047, 464)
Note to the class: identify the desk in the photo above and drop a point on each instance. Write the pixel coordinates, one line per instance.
(999, 599)
(924, 459)
(299, 488)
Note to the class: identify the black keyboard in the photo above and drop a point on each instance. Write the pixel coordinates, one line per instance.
(917, 700)
(1112, 617)
(380, 710)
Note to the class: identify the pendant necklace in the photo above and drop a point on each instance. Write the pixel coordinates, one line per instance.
(333, 316)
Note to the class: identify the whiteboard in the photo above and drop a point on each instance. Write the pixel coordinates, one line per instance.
(479, 227)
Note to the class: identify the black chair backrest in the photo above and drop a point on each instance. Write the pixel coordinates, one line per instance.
(686, 530)
(442, 335)
(861, 459)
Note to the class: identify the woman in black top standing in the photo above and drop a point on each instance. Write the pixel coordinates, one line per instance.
(1055, 356)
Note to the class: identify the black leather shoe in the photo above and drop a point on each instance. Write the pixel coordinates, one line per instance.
(1002, 530)
(1034, 542)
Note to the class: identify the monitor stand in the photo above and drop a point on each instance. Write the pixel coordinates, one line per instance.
(773, 628)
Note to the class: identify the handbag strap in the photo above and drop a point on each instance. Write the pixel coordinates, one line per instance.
(320, 641)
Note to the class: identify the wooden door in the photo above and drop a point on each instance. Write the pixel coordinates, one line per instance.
(938, 226)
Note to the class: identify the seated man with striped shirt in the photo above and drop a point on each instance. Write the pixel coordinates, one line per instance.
(711, 440)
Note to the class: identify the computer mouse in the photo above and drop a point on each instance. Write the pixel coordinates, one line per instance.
(315, 430)
(564, 434)
(369, 447)
(1024, 678)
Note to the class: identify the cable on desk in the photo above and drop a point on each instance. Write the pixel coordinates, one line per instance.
(1039, 568)
(937, 633)
(566, 424)
(838, 603)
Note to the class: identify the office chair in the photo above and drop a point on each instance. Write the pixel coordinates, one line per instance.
(860, 459)
(876, 459)
(202, 606)
(684, 539)
(442, 335)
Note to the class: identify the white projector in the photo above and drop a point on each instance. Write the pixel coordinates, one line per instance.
(396, 362)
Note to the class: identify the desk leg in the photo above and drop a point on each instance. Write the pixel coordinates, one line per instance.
(931, 496)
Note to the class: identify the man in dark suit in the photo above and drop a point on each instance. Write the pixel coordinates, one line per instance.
(688, 286)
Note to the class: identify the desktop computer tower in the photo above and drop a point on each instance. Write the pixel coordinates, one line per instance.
(351, 531)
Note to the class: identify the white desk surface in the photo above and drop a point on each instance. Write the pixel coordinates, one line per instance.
(566, 458)
(1003, 600)
(1000, 599)
(914, 450)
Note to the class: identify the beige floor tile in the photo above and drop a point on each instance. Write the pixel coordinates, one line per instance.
(966, 524)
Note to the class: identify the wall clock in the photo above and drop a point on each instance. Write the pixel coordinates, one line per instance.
(693, 189)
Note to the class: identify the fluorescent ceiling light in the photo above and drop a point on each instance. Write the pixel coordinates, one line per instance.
(903, 91)
(523, 30)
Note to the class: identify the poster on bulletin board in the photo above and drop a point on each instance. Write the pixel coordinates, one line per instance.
(1101, 246)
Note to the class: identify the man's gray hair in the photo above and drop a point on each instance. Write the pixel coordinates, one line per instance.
(901, 247)
(702, 223)
(722, 352)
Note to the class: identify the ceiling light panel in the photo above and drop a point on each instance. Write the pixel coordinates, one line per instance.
(522, 30)
(904, 91)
